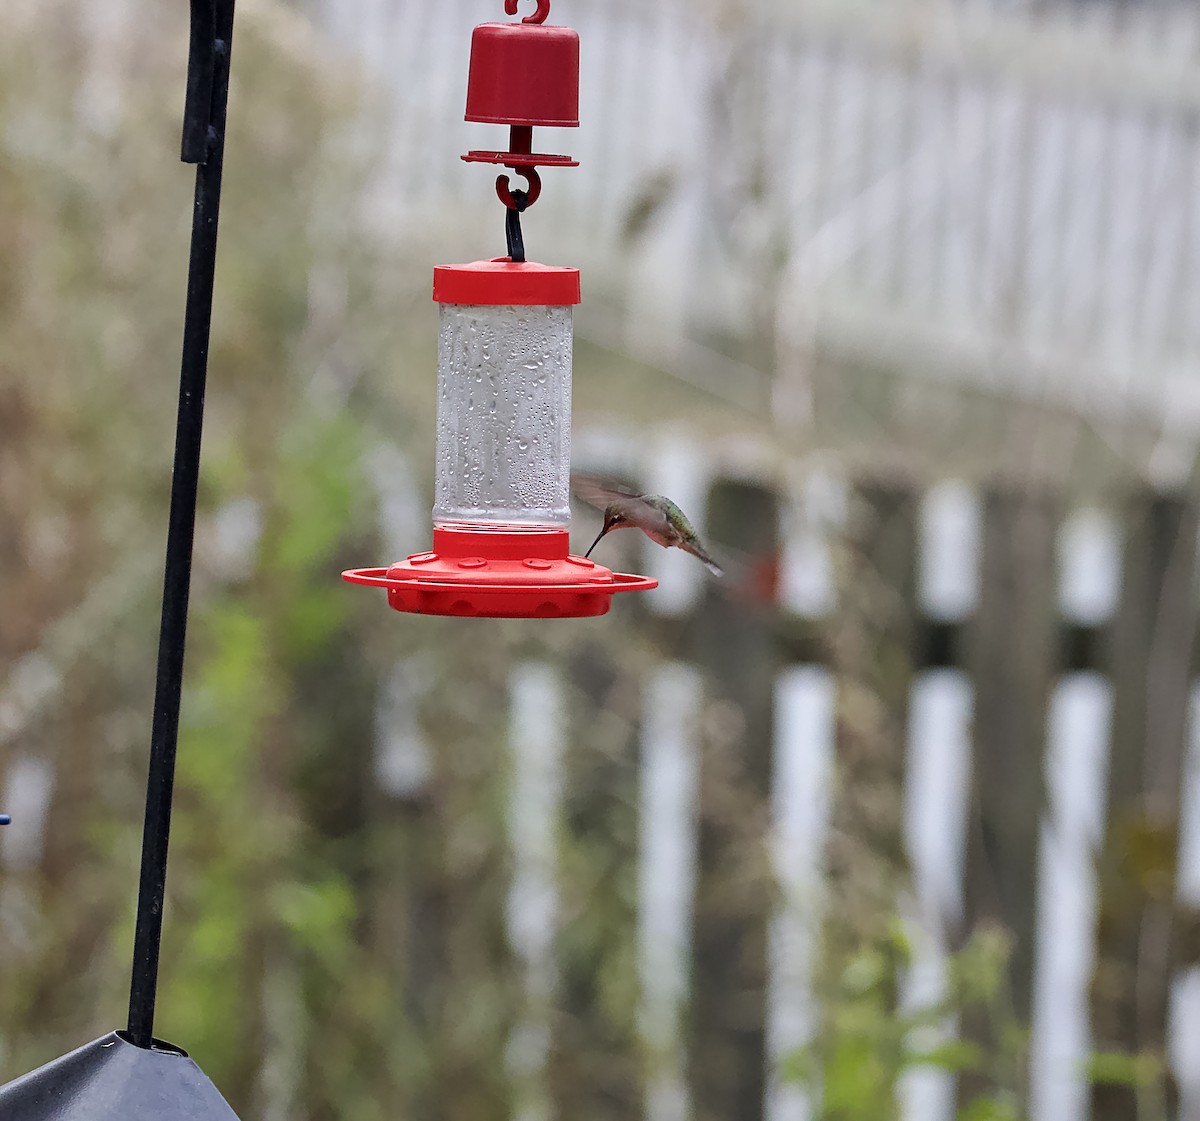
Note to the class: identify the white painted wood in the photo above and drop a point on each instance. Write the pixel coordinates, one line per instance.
(236, 530)
(936, 798)
(926, 1093)
(1184, 1040)
(535, 806)
(948, 551)
(805, 725)
(1076, 772)
(937, 794)
(814, 513)
(666, 881)
(405, 521)
(1089, 566)
(403, 757)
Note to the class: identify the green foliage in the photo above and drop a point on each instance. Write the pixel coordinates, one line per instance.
(1114, 1068)
(1000, 1108)
(867, 1043)
(319, 916)
(953, 1056)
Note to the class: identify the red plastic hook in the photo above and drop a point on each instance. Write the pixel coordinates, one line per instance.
(531, 177)
(540, 16)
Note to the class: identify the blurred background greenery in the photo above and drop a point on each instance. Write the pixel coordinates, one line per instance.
(339, 940)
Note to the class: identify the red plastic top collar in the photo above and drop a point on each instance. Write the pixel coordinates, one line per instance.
(500, 282)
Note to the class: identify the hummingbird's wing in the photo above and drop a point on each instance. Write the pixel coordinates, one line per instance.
(598, 491)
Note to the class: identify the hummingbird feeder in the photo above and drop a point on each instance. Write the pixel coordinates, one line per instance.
(501, 515)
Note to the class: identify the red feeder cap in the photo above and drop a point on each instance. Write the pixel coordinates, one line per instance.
(500, 282)
(524, 74)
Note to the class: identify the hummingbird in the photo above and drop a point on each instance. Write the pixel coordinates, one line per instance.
(655, 515)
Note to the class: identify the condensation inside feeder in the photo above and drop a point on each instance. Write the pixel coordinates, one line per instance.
(504, 417)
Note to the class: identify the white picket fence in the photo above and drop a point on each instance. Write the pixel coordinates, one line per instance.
(939, 754)
(935, 792)
(936, 801)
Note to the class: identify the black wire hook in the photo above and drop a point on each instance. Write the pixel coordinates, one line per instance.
(512, 228)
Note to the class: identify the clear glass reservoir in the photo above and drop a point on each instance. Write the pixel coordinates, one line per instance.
(504, 416)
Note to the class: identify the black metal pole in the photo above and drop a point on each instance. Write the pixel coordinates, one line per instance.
(203, 144)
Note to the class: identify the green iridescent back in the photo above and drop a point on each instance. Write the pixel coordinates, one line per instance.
(674, 515)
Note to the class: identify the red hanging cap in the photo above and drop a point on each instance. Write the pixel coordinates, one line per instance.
(524, 74)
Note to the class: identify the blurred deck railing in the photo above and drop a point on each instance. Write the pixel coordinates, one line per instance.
(1007, 199)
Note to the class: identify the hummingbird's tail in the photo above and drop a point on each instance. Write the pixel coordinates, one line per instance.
(697, 551)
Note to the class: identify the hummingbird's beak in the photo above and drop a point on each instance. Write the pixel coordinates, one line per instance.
(602, 532)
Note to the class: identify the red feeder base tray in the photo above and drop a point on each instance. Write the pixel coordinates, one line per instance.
(500, 574)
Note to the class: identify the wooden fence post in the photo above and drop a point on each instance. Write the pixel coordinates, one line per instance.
(1012, 653)
(732, 637)
(1151, 666)
(873, 656)
(595, 1060)
(873, 653)
(442, 878)
(404, 929)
